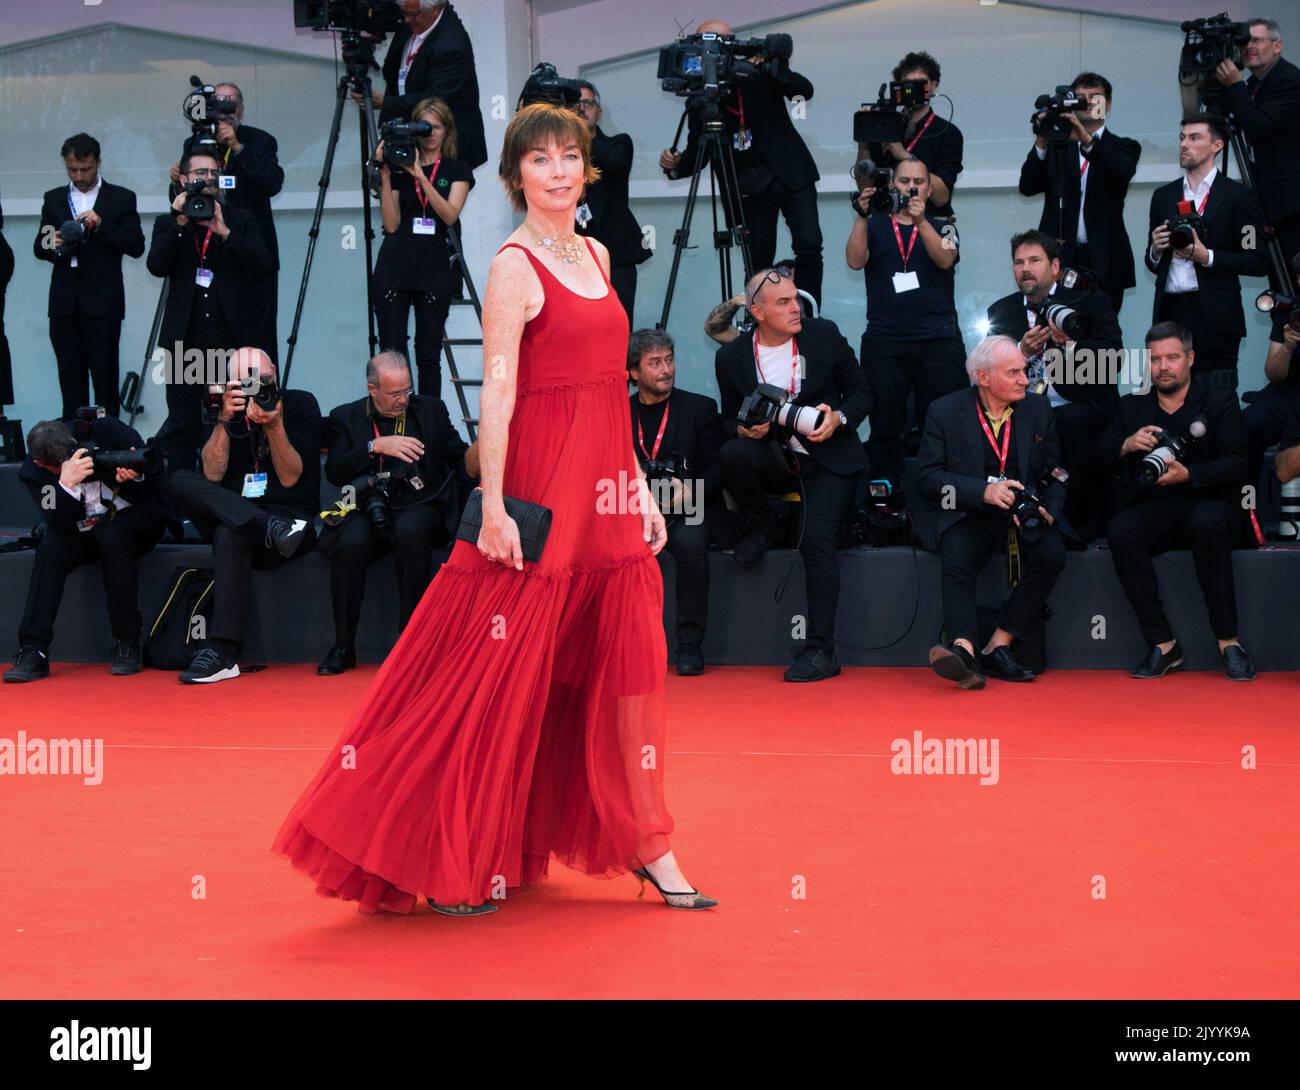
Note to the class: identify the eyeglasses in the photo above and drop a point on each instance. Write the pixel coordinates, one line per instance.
(205, 173)
(586, 104)
(774, 276)
(398, 395)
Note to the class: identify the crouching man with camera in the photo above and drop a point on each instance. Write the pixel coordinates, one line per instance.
(991, 480)
(793, 397)
(1181, 449)
(256, 499)
(101, 494)
(399, 461)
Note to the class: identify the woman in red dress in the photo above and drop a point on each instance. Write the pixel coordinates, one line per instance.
(520, 714)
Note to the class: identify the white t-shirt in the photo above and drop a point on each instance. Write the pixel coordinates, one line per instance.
(778, 366)
(82, 202)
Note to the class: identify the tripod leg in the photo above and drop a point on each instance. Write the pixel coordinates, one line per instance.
(131, 397)
(731, 194)
(683, 233)
(368, 133)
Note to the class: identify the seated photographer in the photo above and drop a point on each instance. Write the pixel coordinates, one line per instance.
(1181, 452)
(912, 342)
(257, 498)
(1083, 171)
(1074, 348)
(677, 436)
(793, 397)
(723, 326)
(990, 481)
(1205, 235)
(1266, 417)
(938, 143)
(403, 460)
(98, 504)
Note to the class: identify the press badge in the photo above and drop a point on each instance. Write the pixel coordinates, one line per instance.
(203, 277)
(254, 485)
(87, 524)
(583, 215)
(424, 225)
(226, 181)
(743, 140)
(905, 281)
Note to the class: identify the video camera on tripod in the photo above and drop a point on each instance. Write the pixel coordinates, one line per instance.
(359, 16)
(205, 110)
(706, 66)
(545, 84)
(1207, 43)
(1050, 118)
(885, 120)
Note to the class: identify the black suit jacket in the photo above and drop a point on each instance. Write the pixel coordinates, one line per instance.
(768, 118)
(96, 282)
(234, 263)
(1007, 318)
(611, 220)
(832, 377)
(443, 68)
(1268, 112)
(1229, 209)
(348, 429)
(1112, 164)
(258, 177)
(951, 460)
(108, 433)
(694, 430)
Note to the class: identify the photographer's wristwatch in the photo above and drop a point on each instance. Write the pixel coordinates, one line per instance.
(370, 446)
(844, 420)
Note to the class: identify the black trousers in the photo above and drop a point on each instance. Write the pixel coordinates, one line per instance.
(237, 529)
(117, 543)
(1075, 255)
(689, 545)
(352, 546)
(1288, 236)
(623, 279)
(86, 349)
(1209, 526)
(1215, 351)
(266, 291)
(799, 207)
(754, 468)
(6, 360)
(393, 308)
(928, 369)
(1266, 420)
(966, 547)
(1079, 425)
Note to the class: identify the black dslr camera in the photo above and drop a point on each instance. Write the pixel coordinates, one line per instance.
(883, 522)
(71, 238)
(1069, 321)
(672, 464)
(885, 120)
(378, 493)
(886, 198)
(545, 84)
(1182, 225)
(1026, 507)
(399, 141)
(1286, 307)
(770, 403)
(263, 393)
(108, 462)
(1169, 448)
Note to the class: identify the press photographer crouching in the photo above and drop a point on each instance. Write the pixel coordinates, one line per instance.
(991, 480)
(401, 464)
(257, 498)
(1181, 450)
(793, 397)
(100, 491)
(678, 439)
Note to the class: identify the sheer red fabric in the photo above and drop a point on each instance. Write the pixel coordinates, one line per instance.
(520, 715)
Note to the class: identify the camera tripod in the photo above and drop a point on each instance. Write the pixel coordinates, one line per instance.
(715, 150)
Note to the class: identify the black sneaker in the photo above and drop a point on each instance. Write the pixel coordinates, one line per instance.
(208, 666)
(813, 664)
(126, 657)
(336, 661)
(690, 660)
(1001, 663)
(30, 664)
(954, 662)
(749, 549)
(1236, 663)
(1157, 663)
(284, 535)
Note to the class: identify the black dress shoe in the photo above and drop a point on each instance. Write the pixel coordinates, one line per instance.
(813, 664)
(1236, 663)
(336, 661)
(30, 664)
(285, 535)
(126, 657)
(690, 660)
(750, 548)
(1157, 663)
(1001, 663)
(954, 662)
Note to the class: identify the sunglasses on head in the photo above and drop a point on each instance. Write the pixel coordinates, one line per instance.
(774, 276)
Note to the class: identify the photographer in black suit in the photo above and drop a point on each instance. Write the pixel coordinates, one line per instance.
(256, 500)
(1266, 417)
(432, 57)
(1266, 108)
(87, 300)
(604, 214)
(774, 168)
(1198, 285)
(251, 176)
(983, 449)
(1098, 167)
(672, 427)
(403, 462)
(212, 268)
(1078, 375)
(1188, 498)
(114, 515)
(6, 361)
(811, 364)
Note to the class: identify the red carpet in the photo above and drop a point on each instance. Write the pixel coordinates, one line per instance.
(917, 885)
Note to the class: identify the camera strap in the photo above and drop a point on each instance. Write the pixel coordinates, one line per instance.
(794, 361)
(917, 138)
(988, 434)
(653, 454)
(898, 236)
(399, 428)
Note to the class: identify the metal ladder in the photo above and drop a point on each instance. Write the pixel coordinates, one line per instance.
(458, 260)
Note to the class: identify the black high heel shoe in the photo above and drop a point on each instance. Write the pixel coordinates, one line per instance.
(462, 909)
(696, 898)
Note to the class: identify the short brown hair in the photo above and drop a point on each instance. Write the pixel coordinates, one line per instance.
(437, 106)
(534, 125)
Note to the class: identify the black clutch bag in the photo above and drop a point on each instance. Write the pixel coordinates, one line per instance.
(533, 519)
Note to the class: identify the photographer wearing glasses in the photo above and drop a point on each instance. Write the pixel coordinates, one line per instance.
(793, 397)
(1180, 450)
(99, 503)
(86, 227)
(401, 464)
(912, 342)
(257, 498)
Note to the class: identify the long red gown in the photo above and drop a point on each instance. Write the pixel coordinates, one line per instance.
(520, 715)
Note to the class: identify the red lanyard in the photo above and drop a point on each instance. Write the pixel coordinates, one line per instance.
(740, 100)
(640, 435)
(988, 434)
(928, 121)
(794, 359)
(413, 52)
(1083, 167)
(898, 235)
(419, 189)
(203, 253)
